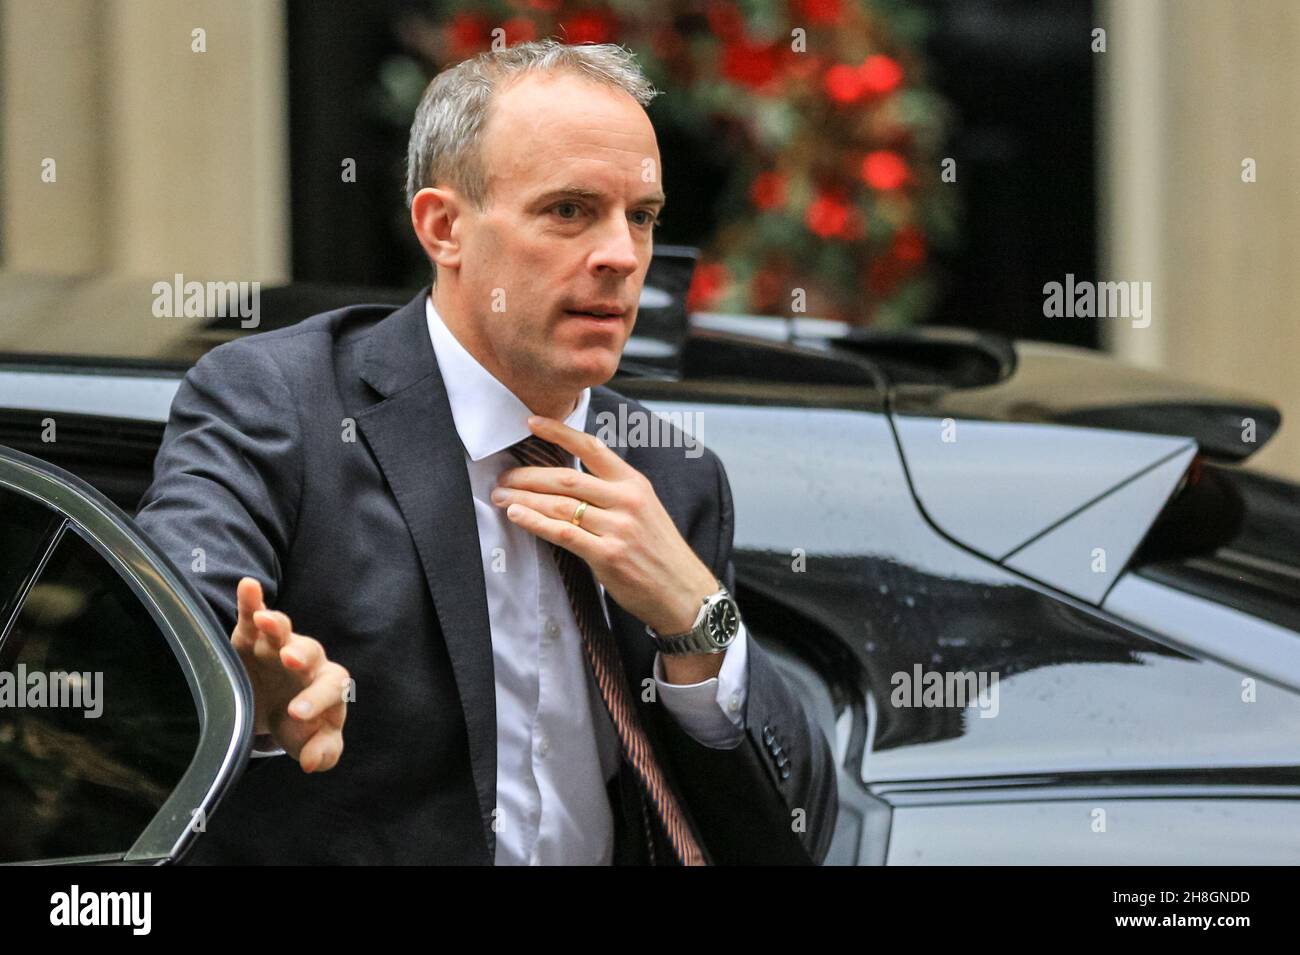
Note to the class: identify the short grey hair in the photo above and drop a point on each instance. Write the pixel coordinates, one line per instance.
(446, 135)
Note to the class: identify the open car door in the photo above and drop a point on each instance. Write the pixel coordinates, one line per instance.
(125, 715)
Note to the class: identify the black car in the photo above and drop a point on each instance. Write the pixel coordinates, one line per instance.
(1031, 596)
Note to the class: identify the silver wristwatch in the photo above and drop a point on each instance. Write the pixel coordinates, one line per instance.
(715, 627)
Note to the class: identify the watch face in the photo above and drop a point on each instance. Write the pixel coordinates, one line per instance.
(723, 622)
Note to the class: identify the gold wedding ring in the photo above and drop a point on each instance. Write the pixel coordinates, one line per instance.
(576, 520)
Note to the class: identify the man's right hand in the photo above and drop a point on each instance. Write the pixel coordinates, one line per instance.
(299, 696)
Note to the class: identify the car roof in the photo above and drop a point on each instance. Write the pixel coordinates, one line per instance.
(99, 324)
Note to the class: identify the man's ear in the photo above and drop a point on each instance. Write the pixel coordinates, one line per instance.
(434, 214)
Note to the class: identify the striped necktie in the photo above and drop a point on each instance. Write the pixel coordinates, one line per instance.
(607, 668)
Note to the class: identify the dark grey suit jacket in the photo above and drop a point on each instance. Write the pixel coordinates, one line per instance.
(322, 460)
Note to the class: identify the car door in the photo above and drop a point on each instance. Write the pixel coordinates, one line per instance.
(1187, 823)
(124, 713)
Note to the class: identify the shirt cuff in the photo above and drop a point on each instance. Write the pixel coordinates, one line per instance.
(712, 711)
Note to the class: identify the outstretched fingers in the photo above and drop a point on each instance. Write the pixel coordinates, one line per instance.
(275, 629)
(248, 600)
(324, 698)
(322, 751)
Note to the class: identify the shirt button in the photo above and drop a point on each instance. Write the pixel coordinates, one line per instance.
(552, 628)
(543, 746)
(733, 704)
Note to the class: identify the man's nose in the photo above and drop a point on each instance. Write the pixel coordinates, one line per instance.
(617, 249)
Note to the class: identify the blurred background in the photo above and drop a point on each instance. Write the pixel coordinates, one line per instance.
(932, 162)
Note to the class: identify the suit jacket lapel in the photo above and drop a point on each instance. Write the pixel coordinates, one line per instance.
(414, 441)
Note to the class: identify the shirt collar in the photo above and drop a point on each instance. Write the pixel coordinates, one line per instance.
(488, 416)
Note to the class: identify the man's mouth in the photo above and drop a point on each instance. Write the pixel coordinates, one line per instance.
(598, 311)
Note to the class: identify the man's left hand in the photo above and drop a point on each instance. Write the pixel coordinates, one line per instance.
(626, 536)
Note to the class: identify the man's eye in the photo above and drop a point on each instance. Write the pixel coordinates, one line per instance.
(648, 218)
(571, 206)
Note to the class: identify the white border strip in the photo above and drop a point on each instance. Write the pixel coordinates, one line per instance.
(137, 397)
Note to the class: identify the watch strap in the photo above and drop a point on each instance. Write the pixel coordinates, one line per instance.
(695, 640)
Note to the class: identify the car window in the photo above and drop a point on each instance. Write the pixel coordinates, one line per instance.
(97, 720)
(1229, 536)
(113, 455)
(25, 530)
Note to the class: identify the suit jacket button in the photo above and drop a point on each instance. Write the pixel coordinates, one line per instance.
(767, 735)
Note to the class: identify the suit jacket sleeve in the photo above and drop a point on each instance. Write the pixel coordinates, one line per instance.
(745, 809)
(228, 476)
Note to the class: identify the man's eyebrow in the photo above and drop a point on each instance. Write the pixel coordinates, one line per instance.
(590, 195)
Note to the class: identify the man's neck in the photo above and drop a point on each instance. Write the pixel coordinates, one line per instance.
(546, 404)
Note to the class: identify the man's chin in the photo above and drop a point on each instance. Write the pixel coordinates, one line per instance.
(590, 370)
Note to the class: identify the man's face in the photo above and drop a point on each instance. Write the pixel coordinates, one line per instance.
(574, 189)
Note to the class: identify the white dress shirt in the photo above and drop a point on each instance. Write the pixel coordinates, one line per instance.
(556, 745)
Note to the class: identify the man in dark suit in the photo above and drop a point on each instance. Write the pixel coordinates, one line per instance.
(528, 631)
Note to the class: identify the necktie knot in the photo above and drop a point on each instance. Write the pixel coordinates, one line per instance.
(539, 452)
